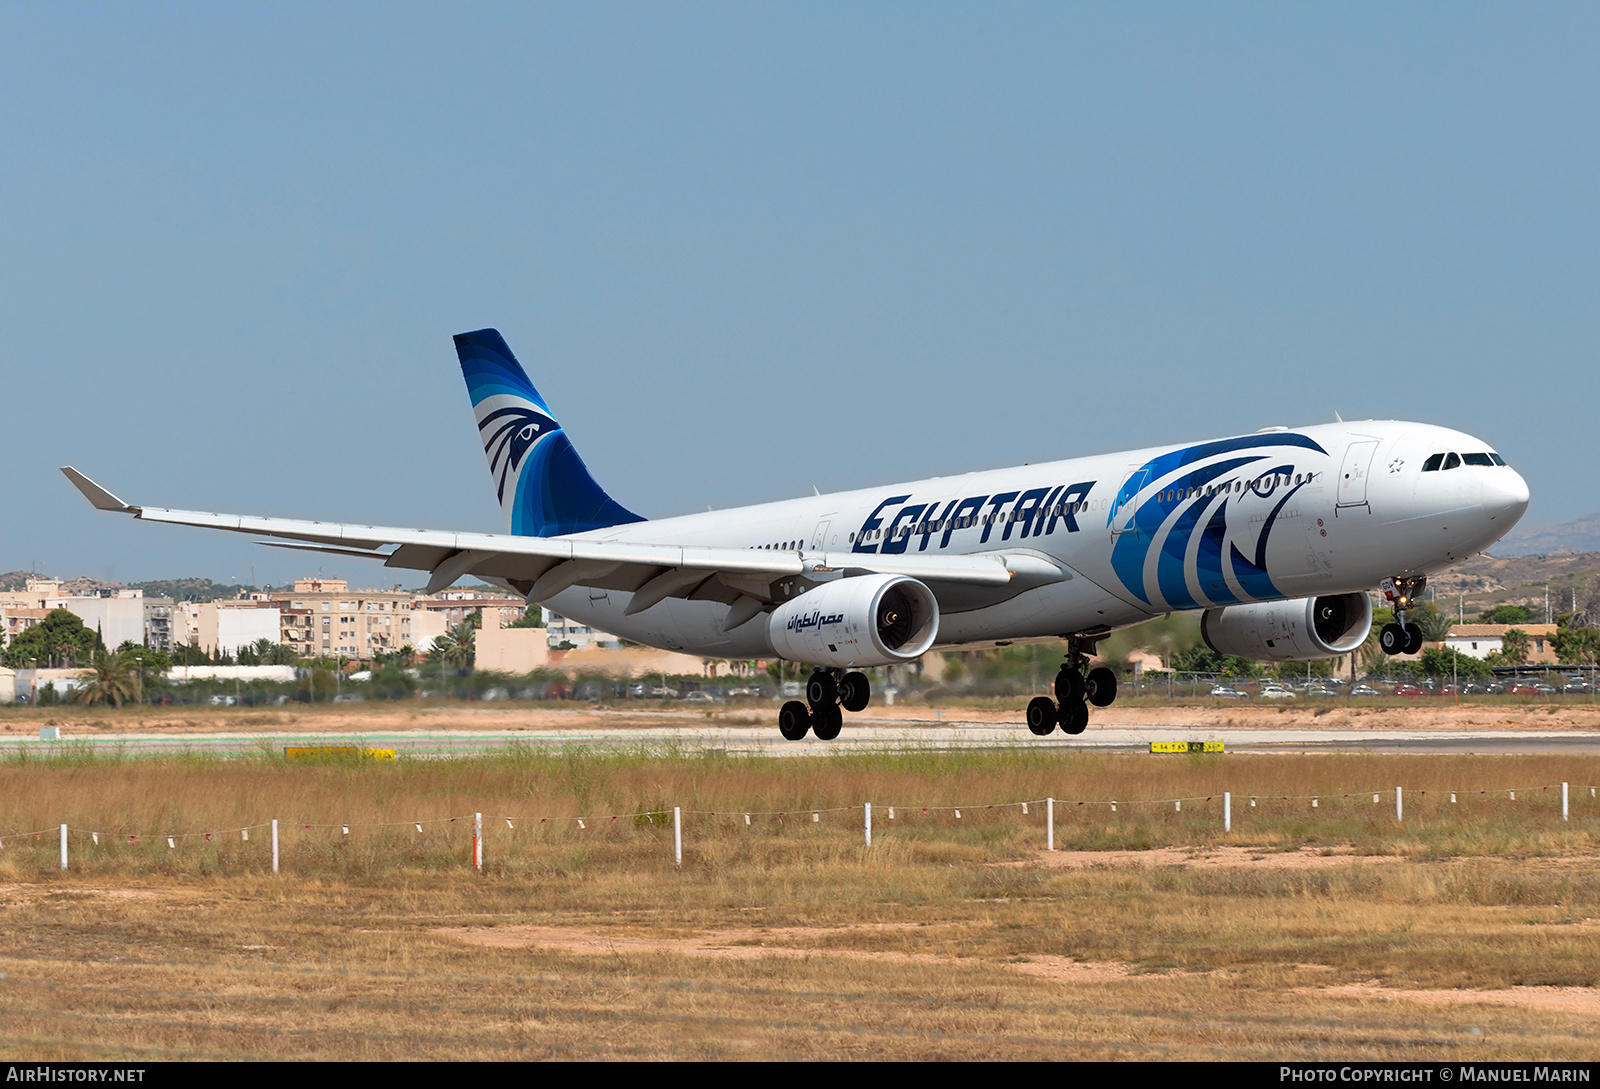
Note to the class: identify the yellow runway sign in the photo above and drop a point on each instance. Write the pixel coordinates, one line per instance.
(337, 752)
(1185, 746)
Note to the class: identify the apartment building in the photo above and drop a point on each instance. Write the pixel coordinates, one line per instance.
(325, 618)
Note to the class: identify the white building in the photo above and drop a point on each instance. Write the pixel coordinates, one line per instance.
(118, 619)
(225, 626)
(1481, 640)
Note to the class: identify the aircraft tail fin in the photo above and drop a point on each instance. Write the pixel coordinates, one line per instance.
(544, 488)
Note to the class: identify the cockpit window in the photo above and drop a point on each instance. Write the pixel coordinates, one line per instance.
(1433, 463)
(1476, 459)
(1452, 461)
(1498, 460)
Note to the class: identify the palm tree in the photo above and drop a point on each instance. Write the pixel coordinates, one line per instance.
(1514, 646)
(113, 678)
(457, 647)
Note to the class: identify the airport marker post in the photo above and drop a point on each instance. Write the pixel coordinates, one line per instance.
(1563, 802)
(1227, 811)
(1399, 810)
(869, 823)
(477, 843)
(1049, 824)
(63, 848)
(677, 837)
(274, 844)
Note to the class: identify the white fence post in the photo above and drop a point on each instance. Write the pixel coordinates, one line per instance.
(677, 837)
(1049, 824)
(274, 844)
(1563, 801)
(1399, 810)
(63, 848)
(869, 823)
(1227, 811)
(477, 842)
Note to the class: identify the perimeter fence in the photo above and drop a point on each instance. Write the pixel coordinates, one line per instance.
(465, 838)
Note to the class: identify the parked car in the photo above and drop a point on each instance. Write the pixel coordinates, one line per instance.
(1223, 692)
(1410, 691)
(1276, 692)
(1365, 690)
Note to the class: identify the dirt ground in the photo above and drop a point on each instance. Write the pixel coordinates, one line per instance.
(805, 942)
(392, 717)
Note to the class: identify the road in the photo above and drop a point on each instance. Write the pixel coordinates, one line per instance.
(689, 731)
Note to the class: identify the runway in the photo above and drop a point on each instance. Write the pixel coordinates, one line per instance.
(668, 731)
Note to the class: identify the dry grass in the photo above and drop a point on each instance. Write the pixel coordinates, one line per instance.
(943, 940)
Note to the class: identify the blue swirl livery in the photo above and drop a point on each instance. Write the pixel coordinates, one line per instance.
(1190, 527)
(544, 488)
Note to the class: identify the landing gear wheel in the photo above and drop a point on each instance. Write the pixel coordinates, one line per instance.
(1393, 639)
(1069, 687)
(1101, 687)
(1413, 638)
(827, 721)
(1042, 716)
(855, 692)
(822, 689)
(1074, 717)
(794, 720)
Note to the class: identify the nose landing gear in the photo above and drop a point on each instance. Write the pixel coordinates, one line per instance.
(1400, 637)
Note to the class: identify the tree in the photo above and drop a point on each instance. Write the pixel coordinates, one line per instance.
(532, 618)
(1507, 614)
(1576, 646)
(456, 647)
(1206, 660)
(1447, 661)
(60, 639)
(1434, 624)
(113, 679)
(1514, 646)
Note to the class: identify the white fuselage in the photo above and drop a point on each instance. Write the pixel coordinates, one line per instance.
(1285, 513)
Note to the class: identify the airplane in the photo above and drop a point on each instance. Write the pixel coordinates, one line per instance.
(1276, 537)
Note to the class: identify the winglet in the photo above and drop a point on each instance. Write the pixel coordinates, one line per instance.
(94, 493)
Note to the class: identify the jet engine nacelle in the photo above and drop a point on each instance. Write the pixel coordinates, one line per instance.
(862, 621)
(1290, 631)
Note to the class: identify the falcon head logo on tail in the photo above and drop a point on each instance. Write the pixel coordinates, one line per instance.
(543, 486)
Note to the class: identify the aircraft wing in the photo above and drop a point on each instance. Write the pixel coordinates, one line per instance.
(542, 567)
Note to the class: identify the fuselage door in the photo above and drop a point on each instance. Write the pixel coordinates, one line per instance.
(1127, 501)
(819, 536)
(1354, 472)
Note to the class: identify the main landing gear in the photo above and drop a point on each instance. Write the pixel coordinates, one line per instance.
(1075, 690)
(1400, 637)
(829, 694)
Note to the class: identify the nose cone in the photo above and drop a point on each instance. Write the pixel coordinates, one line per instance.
(1504, 496)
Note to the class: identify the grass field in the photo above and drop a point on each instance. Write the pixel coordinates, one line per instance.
(1468, 931)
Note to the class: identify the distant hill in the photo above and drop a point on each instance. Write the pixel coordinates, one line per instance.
(192, 589)
(84, 586)
(1485, 581)
(16, 580)
(1578, 535)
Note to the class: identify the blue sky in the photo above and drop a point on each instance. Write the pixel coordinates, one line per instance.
(749, 249)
